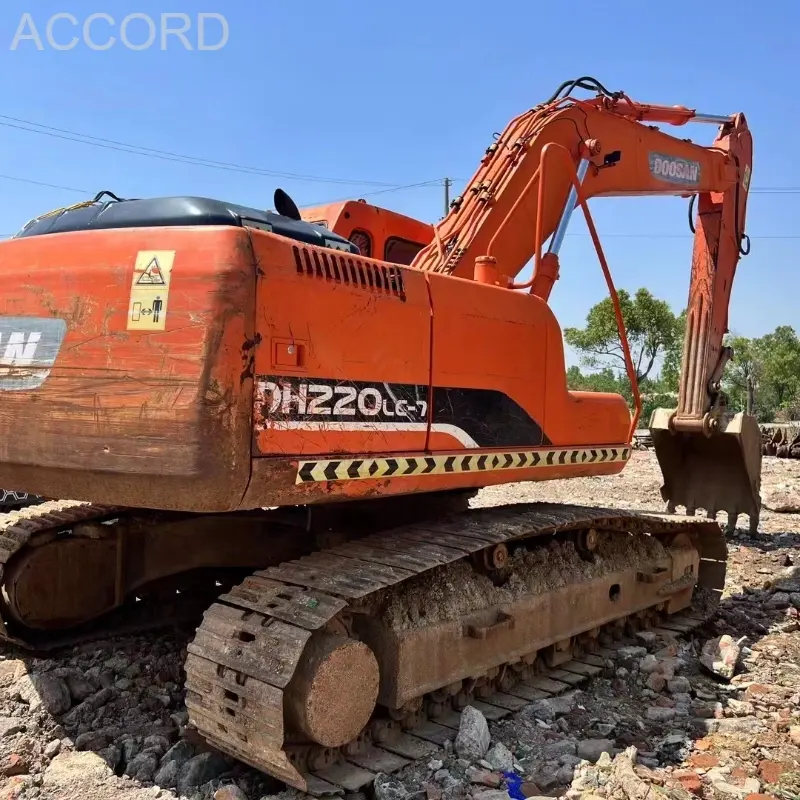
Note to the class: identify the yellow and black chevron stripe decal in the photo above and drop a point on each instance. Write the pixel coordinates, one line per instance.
(409, 466)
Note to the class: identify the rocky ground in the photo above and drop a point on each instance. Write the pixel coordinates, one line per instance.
(714, 716)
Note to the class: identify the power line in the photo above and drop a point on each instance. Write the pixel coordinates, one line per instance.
(166, 155)
(669, 236)
(448, 182)
(434, 182)
(42, 183)
(438, 182)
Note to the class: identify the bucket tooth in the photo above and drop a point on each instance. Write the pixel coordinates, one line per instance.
(717, 472)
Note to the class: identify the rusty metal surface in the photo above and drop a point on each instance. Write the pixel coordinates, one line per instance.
(65, 567)
(98, 556)
(41, 521)
(719, 472)
(357, 573)
(421, 660)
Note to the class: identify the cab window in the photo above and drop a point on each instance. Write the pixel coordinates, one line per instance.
(401, 251)
(363, 241)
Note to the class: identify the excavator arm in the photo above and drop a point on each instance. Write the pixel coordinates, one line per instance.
(562, 153)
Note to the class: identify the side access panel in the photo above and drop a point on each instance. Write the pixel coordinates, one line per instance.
(343, 407)
(342, 362)
(489, 362)
(499, 376)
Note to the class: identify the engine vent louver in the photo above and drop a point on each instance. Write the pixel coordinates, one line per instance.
(351, 270)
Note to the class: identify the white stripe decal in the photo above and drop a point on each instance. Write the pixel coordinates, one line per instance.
(373, 427)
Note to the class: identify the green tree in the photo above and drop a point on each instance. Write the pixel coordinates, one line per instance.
(780, 374)
(763, 378)
(652, 329)
(670, 375)
(605, 380)
(742, 375)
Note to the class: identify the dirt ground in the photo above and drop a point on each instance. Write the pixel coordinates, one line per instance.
(107, 720)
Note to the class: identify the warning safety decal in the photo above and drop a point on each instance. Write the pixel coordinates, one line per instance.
(365, 468)
(147, 310)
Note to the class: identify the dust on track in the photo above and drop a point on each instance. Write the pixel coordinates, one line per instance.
(448, 592)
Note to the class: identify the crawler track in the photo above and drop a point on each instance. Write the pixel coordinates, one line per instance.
(45, 522)
(243, 664)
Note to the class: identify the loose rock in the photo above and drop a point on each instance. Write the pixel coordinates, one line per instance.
(230, 792)
(68, 768)
(388, 788)
(721, 656)
(44, 691)
(167, 775)
(552, 707)
(679, 685)
(142, 767)
(199, 770)
(591, 749)
(500, 758)
(10, 725)
(794, 735)
(473, 739)
(52, 748)
(658, 714)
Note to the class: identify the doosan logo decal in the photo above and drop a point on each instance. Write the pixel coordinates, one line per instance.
(29, 347)
(675, 170)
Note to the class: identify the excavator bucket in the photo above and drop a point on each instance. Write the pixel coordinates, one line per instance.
(721, 472)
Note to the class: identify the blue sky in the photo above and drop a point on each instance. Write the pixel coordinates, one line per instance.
(388, 94)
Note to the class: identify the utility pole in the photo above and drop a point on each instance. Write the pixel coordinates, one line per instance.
(447, 184)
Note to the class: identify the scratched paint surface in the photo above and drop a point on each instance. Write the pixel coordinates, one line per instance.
(153, 417)
(29, 347)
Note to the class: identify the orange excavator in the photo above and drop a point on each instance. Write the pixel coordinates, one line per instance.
(290, 416)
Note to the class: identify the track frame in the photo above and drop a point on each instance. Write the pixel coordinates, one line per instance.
(241, 665)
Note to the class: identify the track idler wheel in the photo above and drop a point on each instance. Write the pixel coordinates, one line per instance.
(333, 693)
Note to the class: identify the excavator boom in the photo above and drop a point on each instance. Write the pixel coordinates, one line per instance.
(560, 154)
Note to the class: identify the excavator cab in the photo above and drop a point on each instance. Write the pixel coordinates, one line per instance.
(376, 231)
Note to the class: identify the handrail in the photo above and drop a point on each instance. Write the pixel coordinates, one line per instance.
(581, 199)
